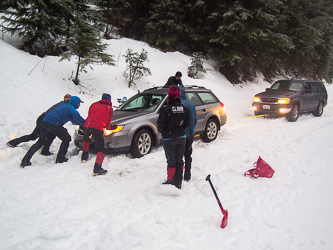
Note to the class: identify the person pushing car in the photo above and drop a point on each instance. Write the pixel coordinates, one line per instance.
(99, 117)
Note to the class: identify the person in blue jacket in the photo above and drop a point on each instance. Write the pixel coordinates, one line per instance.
(189, 131)
(52, 125)
(35, 134)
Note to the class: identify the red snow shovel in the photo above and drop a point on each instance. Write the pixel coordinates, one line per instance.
(224, 212)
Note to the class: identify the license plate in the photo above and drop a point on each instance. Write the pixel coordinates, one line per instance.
(266, 107)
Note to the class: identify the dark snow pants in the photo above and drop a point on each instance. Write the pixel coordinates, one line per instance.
(174, 152)
(50, 131)
(98, 136)
(188, 154)
(33, 136)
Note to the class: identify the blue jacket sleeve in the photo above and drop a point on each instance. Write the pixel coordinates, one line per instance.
(76, 117)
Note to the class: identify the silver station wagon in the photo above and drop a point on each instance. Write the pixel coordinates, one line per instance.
(134, 123)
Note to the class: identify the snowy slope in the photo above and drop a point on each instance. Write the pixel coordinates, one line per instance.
(62, 206)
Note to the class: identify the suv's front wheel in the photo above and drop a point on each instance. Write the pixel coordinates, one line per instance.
(211, 130)
(141, 143)
(294, 113)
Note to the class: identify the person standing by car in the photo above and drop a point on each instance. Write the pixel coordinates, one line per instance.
(189, 134)
(174, 80)
(171, 123)
(52, 125)
(35, 134)
(99, 117)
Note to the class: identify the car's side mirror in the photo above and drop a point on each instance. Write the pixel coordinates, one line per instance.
(307, 90)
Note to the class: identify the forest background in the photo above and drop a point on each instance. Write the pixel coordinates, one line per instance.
(274, 38)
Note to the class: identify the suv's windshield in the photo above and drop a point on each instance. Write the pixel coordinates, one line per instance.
(142, 102)
(287, 85)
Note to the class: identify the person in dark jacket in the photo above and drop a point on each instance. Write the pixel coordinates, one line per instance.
(189, 134)
(52, 125)
(99, 117)
(171, 123)
(35, 134)
(174, 80)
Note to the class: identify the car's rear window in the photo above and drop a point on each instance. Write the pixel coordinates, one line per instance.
(207, 97)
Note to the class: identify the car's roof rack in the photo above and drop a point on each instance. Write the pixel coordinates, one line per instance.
(185, 86)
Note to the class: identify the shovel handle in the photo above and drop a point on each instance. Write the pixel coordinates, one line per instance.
(217, 198)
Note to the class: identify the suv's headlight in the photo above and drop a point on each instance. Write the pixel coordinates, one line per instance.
(256, 99)
(114, 129)
(283, 101)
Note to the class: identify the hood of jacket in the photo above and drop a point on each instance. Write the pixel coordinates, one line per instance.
(75, 101)
(182, 93)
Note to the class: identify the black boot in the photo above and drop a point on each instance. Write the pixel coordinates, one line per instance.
(178, 177)
(61, 160)
(187, 175)
(25, 163)
(98, 170)
(84, 156)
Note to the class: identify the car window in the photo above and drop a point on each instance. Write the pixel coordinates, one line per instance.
(287, 85)
(296, 86)
(142, 102)
(207, 97)
(192, 97)
(314, 87)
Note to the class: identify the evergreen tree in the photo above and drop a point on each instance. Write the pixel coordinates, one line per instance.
(38, 23)
(166, 25)
(135, 68)
(84, 40)
(114, 16)
(249, 39)
(310, 27)
(196, 66)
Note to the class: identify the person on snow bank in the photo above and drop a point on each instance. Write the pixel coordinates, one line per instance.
(171, 123)
(52, 125)
(189, 134)
(174, 80)
(35, 134)
(99, 117)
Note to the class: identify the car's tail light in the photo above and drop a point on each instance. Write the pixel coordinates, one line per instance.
(222, 105)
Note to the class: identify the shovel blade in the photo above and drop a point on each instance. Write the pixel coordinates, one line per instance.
(225, 219)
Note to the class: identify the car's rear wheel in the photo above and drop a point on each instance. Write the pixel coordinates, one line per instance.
(141, 143)
(211, 130)
(294, 113)
(320, 109)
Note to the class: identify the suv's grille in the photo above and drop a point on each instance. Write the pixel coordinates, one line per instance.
(269, 100)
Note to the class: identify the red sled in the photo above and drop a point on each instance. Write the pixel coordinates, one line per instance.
(261, 169)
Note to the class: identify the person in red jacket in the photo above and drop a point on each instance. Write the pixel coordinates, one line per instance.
(99, 117)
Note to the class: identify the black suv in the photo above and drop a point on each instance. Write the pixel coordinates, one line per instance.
(290, 98)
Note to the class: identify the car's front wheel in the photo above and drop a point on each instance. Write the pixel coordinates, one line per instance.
(320, 109)
(141, 143)
(211, 130)
(294, 113)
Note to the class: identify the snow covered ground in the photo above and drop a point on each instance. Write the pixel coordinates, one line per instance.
(62, 206)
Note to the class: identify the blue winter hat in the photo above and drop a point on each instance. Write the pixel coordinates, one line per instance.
(106, 96)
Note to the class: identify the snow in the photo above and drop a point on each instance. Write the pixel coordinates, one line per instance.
(62, 206)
